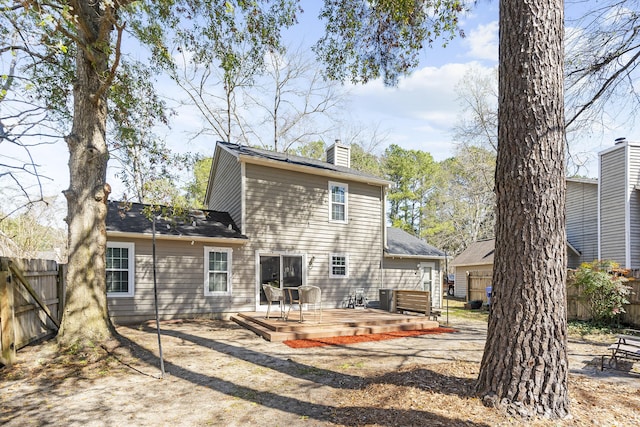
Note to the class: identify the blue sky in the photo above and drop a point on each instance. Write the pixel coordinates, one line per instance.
(418, 114)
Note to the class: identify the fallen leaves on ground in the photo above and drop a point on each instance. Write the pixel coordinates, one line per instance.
(444, 395)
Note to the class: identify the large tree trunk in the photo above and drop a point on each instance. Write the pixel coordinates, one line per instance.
(85, 319)
(524, 368)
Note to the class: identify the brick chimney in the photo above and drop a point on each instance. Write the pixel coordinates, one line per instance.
(339, 154)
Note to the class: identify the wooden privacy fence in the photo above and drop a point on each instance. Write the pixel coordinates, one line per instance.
(577, 310)
(30, 303)
(477, 283)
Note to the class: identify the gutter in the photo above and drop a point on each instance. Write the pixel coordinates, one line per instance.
(402, 256)
(182, 237)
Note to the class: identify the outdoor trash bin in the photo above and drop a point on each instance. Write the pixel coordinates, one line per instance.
(386, 299)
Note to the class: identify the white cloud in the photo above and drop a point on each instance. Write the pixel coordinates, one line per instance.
(418, 114)
(482, 42)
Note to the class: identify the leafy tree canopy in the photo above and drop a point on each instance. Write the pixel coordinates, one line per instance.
(365, 40)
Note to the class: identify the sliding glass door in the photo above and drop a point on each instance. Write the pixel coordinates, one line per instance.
(280, 270)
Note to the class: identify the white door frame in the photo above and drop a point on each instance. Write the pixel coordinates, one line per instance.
(279, 254)
(435, 290)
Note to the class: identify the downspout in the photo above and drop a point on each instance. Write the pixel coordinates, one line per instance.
(383, 201)
(243, 208)
(599, 196)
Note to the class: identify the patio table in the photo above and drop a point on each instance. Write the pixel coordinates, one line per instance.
(289, 296)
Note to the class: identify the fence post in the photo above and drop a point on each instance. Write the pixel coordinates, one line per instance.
(60, 290)
(6, 316)
(468, 286)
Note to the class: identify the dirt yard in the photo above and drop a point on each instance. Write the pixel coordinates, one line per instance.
(220, 374)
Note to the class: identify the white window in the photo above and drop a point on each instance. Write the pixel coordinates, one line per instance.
(217, 271)
(120, 269)
(338, 265)
(338, 197)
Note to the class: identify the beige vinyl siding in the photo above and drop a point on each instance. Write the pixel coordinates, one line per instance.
(582, 221)
(634, 204)
(288, 212)
(402, 273)
(342, 155)
(339, 155)
(613, 195)
(180, 273)
(226, 190)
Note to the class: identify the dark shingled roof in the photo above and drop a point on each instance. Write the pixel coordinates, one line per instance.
(480, 252)
(128, 217)
(292, 159)
(401, 243)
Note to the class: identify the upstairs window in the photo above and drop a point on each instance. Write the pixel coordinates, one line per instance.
(338, 265)
(338, 197)
(120, 270)
(217, 271)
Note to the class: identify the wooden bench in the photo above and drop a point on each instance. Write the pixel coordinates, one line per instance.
(626, 347)
(414, 301)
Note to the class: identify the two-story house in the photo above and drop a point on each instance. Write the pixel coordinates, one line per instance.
(271, 218)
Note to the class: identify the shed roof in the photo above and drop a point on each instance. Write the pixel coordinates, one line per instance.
(477, 253)
(127, 218)
(402, 244)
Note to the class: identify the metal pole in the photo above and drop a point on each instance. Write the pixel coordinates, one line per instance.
(155, 296)
(446, 268)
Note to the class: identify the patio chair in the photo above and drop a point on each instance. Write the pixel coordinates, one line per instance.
(273, 294)
(310, 295)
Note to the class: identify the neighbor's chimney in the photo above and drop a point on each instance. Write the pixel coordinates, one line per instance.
(339, 154)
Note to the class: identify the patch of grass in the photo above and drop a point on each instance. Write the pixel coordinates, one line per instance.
(592, 332)
(456, 309)
(259, 370)
(357, 365)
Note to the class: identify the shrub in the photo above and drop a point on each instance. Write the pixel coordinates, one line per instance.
(602, 289)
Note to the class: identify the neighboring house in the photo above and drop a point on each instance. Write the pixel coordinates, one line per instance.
(477, 257)
(619, 204)
(602, 217)
(284, 220)
(581, 221)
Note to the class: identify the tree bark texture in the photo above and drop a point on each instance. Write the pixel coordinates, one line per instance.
(85, 318)
(524, 368)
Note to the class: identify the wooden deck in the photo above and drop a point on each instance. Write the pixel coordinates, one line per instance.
(335, 322)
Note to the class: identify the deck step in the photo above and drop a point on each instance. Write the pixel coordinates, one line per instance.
(278, 330)
(266, 333)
